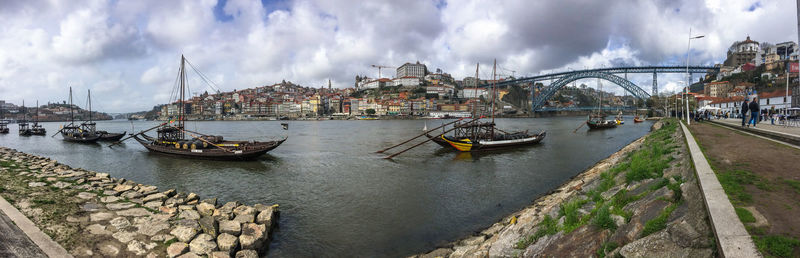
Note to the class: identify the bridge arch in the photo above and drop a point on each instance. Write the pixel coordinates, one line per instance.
(549, 91)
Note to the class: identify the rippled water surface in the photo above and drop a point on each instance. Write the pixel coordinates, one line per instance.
(337, 197)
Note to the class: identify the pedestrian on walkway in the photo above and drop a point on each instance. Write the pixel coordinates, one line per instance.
(745, 108)
(754, 108)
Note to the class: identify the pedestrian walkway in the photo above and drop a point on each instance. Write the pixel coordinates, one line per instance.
(778, 132)
(14, 242)
(733, 239)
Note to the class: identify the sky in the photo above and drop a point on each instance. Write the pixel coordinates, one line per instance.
(128, 52)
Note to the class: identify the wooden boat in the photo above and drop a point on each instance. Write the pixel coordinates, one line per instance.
(619, 119)
(74, 132)
(24, 127)
(637, 118)
(475, 135)
(92, 126)
(483, 136)
(597, 121)
(3, 127)
(172, 138)
(36, 128)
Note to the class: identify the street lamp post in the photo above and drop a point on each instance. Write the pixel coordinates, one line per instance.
(688, 75)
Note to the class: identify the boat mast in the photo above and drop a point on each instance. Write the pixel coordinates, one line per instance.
(90, 106)
(494, 92)
(477, 82)
(180, 103)
(36, 120)
(71, 116)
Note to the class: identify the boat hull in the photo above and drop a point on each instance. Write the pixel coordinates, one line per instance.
(606, 125)
(111, 136)
(477, 146)
(248, 153)
(80, 138)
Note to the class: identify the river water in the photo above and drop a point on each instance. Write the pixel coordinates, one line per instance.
(337, 197)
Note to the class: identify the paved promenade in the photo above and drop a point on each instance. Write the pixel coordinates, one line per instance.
(764, 125)
(14, 242)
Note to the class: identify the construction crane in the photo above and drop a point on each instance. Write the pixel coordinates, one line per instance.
(379, 69)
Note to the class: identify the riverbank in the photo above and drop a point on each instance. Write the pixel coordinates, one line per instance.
(92, 214)
(760, 178)
(642, 201)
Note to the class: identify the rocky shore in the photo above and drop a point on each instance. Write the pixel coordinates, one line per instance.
(92, 214)
(643, 201)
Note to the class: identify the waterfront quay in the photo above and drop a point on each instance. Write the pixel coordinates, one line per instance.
(93, 214)
(643, 201)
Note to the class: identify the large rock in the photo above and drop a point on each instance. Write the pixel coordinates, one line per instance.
(124, 236)
(100, 216)
(245, 218)
(582, 242)
(227, 242)
(122, 188)
(86, 195)
(253, 236)
(247, 254)
(97, 229)
(137, 247)
(205, 209)
(189, 214)
(176, 249)
(154, 197)
(660, 245)
(265, 217)
(120, 206)
(135, 212)
(108, 199)
(151, 227)
(219, 254)
(244, 210)
(203, 244)
(209, 226)
(230, 227)
(109, 248)
(120, 223)
(183, 233)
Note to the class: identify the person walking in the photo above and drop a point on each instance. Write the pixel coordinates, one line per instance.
(754, 110)
(745, 108)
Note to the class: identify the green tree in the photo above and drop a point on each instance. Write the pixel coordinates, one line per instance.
(370, 111)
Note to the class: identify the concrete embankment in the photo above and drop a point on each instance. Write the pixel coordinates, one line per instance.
(643, 201)
(93, 214)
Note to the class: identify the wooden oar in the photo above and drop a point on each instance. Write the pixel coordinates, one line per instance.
(59, 130)
(426, 132)
(142, 132)
(579, 127)
(418, 144)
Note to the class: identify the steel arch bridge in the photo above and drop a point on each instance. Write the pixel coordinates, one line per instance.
(547, 92)
(561, 79)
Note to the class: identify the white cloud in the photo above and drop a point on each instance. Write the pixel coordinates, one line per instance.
(132, 48)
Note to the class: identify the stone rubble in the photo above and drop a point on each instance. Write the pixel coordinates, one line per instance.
(130, 219)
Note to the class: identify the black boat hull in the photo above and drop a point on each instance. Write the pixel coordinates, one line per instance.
(467, 146)
(597, 126)
(209, 154)
(80, 139)
(111, 137)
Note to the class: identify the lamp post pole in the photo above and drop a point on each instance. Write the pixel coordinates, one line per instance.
(688, 75)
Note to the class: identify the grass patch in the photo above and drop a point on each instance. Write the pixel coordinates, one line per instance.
(43, 201)
(548, 226)
(794, 184)
(779, 246)
(607, 247)
(651, 160)
(602, 218)
(733, 182)
(6, 164)
(659, 223)
(572, 218)
(677, 193)
(744, 215)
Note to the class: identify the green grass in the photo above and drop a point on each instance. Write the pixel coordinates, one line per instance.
(744, 215)
(676, 188)
(659, 223)
(572, 218)
(602, 218)
(778, 246)
(733, 182)
(607, 247)
(42, 202)
(794, 184)
(651, 160)
(548, 226)
(7, 164)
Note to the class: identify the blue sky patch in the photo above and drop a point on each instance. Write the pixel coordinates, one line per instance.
(754, 6)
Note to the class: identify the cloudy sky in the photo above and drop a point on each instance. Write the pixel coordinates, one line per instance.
(127, 51)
